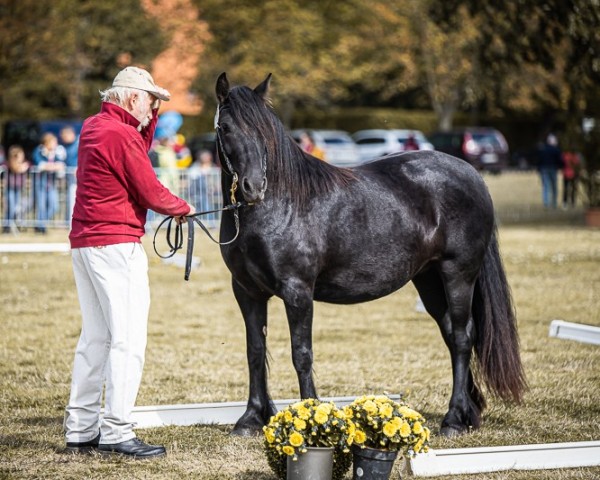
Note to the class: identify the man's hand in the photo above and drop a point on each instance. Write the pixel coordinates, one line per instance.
(182, 219)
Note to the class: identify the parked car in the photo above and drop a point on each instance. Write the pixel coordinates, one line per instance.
(338, 145)
(484, 148)
(376, 143)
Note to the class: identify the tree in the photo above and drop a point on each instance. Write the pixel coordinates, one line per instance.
(321, 53)
(55, 56)
(448, 58)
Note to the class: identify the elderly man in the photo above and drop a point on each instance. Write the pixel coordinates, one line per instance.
(116, 185)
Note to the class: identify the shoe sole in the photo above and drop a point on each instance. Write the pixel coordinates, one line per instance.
(80, 450)
(108, 453)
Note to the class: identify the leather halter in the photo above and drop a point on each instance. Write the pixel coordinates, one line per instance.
(177, 243)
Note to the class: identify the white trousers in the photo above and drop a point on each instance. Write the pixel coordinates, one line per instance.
(114, 295)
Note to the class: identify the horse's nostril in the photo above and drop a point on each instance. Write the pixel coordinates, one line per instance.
(246, 185)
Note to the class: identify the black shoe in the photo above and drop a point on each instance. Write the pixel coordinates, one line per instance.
(83, 447)
(133, 448)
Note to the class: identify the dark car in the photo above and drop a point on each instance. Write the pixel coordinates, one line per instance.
(484, 148)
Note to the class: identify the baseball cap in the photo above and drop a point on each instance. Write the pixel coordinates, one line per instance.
(134, 77)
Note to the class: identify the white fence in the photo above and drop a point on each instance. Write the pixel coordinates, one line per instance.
(42, 200)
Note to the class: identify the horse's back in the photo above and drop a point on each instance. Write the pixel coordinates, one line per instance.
(401, 213)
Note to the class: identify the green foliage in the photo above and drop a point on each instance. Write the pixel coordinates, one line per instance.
(57, 55)
(489, 57)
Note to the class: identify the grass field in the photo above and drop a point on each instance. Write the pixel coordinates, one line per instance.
(196, 353)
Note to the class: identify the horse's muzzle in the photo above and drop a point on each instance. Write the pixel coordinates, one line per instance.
(253, 193)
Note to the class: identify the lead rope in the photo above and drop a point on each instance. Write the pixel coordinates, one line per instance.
(176, 244)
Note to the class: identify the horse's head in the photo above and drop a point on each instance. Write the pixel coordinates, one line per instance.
(243, 135)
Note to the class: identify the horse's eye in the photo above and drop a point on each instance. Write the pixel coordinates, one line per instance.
(225, 127)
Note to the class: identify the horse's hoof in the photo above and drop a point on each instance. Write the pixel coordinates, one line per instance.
(450, 431)
(246, 431)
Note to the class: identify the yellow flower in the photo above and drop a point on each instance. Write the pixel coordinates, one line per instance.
(409, 413)
(287, 416)
(288, 450)
(341, 414)
(389, 429)
(427, 432)
(348, 411)
(360, 436)
(270, 435)
(296, 439)
(418, 446)
(397, 421)
(299, 424)
(405, 430)
(325, 407)
(304, 413)
(320, 417)
(417, 428)
(386, 410)
(370, 407)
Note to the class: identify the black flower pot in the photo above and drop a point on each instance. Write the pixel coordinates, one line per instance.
(372, 464)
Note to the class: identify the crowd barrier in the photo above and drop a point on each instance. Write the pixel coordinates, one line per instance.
(42, 200)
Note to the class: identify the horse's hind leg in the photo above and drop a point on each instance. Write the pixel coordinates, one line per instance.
(447, 296)
(260, 406)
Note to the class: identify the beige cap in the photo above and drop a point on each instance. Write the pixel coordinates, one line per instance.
(133, 77)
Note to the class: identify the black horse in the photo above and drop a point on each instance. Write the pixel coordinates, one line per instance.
(318, 232)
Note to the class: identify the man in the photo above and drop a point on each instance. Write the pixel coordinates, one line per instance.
(549, 163)
(115, 187)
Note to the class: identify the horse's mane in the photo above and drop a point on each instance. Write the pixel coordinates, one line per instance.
(291, 172)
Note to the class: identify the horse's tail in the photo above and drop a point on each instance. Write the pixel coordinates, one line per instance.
(497, 344)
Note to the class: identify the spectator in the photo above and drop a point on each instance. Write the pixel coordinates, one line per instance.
(166, 160)
(571, 170)
(70, 142)
(549, 162)
(17, 166)
(204, 184)
(49, 162)
(307, 144)
(183, 153)
(411, 143)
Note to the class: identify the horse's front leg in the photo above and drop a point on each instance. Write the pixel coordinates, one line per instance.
(298, 299)
(260, 406)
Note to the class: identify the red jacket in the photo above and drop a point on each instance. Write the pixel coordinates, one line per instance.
(116, 184)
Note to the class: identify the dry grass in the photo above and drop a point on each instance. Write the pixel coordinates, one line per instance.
(196, 353)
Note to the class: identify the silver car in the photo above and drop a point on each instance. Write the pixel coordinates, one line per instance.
(379, 142)
(338, 145)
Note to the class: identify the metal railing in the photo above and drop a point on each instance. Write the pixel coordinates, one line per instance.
(42, 200)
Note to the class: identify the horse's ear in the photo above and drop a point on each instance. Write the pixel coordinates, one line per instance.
(263, 88)
(222, 88)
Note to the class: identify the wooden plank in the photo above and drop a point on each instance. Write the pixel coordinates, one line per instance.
(34, 247)
(225, 413)
(515, 457)
(575, 331)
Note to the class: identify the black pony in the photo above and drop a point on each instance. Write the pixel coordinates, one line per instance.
(318, 232)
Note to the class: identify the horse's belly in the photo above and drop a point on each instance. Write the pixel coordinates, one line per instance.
(356, 290)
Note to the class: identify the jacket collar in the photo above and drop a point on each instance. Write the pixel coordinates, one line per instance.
(120, 114)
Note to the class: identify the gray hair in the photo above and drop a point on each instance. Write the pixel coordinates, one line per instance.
(120, 95)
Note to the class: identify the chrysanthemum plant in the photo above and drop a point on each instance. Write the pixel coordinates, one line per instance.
(384, 424)
(309, 423)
